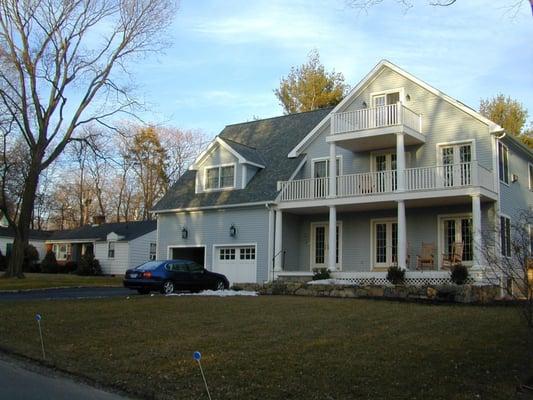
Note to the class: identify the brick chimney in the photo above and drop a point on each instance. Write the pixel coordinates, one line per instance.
(98, 220)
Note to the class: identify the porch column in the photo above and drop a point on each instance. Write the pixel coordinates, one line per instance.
(271, 221)
(402, 236)
(476, 230)
(400, 162)
(278, 241)
(332, 243)
(332, 170)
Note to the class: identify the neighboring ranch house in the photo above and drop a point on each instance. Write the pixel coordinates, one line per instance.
(36, 238)
(118, 246)
(355, 189)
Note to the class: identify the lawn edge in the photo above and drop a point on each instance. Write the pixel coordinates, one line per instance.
(51, 370)
(57, 287)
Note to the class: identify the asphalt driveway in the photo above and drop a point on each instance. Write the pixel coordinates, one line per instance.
(17, 382)
(67, 294)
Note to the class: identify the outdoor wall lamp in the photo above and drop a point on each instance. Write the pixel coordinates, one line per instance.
(184, 233)
(233, 231)
(364, 104)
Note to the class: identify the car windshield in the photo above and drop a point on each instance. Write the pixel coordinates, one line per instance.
(148, 266)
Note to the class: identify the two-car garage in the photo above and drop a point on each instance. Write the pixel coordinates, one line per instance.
(237, 262)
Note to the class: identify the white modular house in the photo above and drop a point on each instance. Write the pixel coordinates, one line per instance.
(37, 239)
(397, 170)
(117, 246)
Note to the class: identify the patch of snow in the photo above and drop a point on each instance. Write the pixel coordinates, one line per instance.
(218, 293)
(328, 282)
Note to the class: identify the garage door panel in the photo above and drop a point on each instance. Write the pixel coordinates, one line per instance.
(237, 263)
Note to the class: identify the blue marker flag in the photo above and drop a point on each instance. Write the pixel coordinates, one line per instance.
(197, 355)
(38, 317)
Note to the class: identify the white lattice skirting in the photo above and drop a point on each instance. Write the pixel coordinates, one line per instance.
(415, 278)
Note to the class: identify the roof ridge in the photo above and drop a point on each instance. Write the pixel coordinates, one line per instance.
(280, 116)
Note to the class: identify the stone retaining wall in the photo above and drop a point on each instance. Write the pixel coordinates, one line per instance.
(480, 294)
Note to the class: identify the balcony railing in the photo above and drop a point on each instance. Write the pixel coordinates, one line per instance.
(376, 117)
(441, 177)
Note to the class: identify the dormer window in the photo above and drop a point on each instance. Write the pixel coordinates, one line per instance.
(220, 177)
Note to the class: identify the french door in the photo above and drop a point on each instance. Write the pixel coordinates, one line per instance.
(457, 229)
(321, 170)
(385, 116)
(320, 245)
(385, 243)
(456, 165)
(385, 182)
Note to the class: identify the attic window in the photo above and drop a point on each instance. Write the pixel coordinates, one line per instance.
(220, 177)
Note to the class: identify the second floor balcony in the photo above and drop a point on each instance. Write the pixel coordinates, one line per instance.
(421, 179)
(375, 127)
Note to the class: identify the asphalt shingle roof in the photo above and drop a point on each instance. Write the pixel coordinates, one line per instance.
(248, 152)
(129, 230)
(34, 234)
(272, 139)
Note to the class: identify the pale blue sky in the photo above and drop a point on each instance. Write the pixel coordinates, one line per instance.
(228, 56)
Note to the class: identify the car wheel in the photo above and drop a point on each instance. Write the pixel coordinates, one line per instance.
(143, 291)
(219, 285)
(168, 287)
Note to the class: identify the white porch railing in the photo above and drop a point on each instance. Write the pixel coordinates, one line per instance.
(376, 117)
(416, 179)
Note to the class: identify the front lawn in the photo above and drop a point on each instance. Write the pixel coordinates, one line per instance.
(43, 281)
(275, 347)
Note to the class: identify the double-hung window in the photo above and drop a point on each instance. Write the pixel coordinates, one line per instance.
(220, 177)
(503, 162)
(153, 251)
(505, 235)
(111, 250)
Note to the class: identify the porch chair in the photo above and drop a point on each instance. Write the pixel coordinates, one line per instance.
(455, 257)
(426, 258)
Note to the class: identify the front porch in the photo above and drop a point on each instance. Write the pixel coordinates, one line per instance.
(368, 239)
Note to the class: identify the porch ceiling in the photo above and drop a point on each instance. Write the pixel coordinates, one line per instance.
(374, 139)
(387, 205)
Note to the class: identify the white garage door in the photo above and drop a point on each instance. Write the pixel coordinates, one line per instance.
(238, 263)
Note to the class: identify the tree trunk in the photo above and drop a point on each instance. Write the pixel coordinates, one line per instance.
(22, 228)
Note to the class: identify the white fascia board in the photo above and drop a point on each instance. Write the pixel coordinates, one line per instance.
(254, 204)
(212, 146)
(493, 127)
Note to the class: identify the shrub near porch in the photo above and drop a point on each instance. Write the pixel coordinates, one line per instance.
(277, 347)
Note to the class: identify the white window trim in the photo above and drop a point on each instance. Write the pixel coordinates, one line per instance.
(508, 163)
(500, 235)
(319, 159)
(373, 241)
(530, 227)
(440, 236)
(150, 252)
(114, 249)
(373, 155)
(220, 166)
(312, 244)
(401, 90)
(530, 175)
(471, 142)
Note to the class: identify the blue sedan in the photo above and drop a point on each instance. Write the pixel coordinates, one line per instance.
(171, 275)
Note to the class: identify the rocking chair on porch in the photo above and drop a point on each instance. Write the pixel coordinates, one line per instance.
(455, 257)
(426, 259)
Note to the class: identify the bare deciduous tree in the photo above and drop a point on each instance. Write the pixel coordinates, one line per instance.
(507, 252)
(63, 65)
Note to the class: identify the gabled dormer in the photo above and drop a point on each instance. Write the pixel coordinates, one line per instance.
(226, 165)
